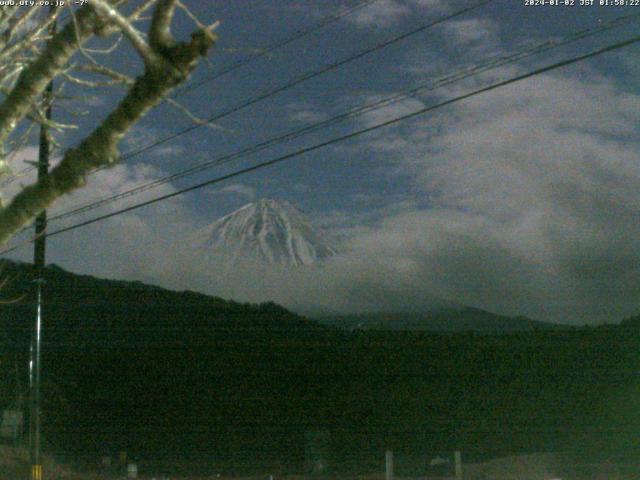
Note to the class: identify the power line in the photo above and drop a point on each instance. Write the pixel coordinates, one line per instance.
(15, 175)
(342, 138)
(297, 81)
(301, 79)
(389, 100)
(295, 36)
(325, 21)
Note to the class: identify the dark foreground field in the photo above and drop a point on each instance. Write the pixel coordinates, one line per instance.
(536, 466)
(240, 389)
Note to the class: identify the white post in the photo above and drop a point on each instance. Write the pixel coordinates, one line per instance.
(389, 465)
(132, 470)
(458, 463)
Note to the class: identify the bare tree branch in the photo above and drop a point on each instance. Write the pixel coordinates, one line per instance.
(34, 79)
(36, 35)
(136, 38)
(169, 65)
(195, 119)
(15, 24)
(116, 76)
(160, 33)
(137, 13)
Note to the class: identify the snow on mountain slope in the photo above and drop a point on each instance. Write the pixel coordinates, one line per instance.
(271, 231)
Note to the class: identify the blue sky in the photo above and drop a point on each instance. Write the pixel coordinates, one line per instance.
(523, 200)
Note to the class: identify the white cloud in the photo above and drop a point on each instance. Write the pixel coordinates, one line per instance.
(386, 13)
(535, 193)
(93, 101)
(303, 112)
(474, 36)
(172, 150)
(430, 4)
(138, 137)
(307, 116)
(534, 206)
(237, 189)
(141, 244)
(382, 13)
(17, 159)
(390, 111)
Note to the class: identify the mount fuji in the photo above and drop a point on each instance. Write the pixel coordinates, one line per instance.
(269, 231)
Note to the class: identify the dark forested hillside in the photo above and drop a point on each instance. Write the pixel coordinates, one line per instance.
(82, 310)
(445, 320)
(181, 375)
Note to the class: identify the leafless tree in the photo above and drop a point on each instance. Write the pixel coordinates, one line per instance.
(32, 55)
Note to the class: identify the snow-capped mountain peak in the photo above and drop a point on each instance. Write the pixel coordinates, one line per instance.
(270, 231)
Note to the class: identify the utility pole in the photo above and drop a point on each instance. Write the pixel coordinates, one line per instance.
(39, 262)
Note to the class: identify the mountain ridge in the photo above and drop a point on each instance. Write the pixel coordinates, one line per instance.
(180, 373)
(269, 231)
(440, 320)
(63, 287)
(100, 312)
